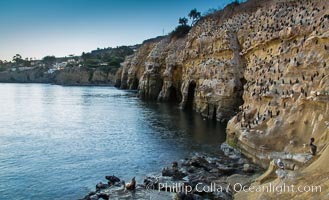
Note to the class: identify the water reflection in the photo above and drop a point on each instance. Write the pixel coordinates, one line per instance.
(58, 142)
(187, 123)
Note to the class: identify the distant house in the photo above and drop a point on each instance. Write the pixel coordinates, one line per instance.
(71, 61)
(59, 66)
(50, 71)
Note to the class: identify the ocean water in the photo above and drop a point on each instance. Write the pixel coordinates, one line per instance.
(58, 142)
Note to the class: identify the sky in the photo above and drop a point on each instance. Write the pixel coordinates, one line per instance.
(37, 28)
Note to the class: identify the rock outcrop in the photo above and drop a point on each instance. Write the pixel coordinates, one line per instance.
(197, 177)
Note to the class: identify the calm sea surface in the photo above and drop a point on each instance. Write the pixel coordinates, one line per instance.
(57, 142)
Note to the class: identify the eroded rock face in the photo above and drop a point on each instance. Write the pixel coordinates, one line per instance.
(266, 66)
(134, 66)
(83, 76)
(286, 94)
(203, 71)
(73, 76)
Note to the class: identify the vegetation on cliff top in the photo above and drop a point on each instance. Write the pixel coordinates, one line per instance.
(183, 28)
(108, 59)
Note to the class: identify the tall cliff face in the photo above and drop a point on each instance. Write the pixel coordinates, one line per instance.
(134, 66)
(286, 102)
(203, 71)
(264, 63)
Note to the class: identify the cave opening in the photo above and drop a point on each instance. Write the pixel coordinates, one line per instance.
(243, 81)
(190, 95)
(214, 113)
(135, 84)
(173, 95)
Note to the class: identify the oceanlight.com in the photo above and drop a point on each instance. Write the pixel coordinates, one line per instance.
(238, 187)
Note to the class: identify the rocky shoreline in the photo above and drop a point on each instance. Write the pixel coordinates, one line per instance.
(197, 177)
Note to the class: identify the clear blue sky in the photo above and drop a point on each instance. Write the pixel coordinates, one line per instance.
(36, 28)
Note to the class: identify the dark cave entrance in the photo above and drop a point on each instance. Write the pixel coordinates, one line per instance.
(173, 95)
(190, 96)
(135, 84)
(214, 114)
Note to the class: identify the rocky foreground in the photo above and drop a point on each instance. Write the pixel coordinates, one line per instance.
(198, 177)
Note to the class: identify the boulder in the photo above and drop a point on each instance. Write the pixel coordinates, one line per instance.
(112, 179)
(102, 186)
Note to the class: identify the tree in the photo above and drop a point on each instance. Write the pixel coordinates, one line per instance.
(86, 56)
(183, 21)
(194, 15)
(18, 59)
(49, 60)
(27, 63)
(236, 2)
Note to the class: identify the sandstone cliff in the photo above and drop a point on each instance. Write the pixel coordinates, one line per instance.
(83, 76)
(261, 64)
(286, 93)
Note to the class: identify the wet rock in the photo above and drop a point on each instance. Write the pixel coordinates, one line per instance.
(94, 197)
(200, 162)
(102, 186)
(167, 172)
(151, 183)
(173, 172)
(87, 197)
(199, 170)
(190, 169)
(226, 170)
(196, 179)
(184, 196)
(242, 161)
(215, 171)
(112, 179)
(104, 196)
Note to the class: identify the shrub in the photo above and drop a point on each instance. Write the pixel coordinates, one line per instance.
(180, 31)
